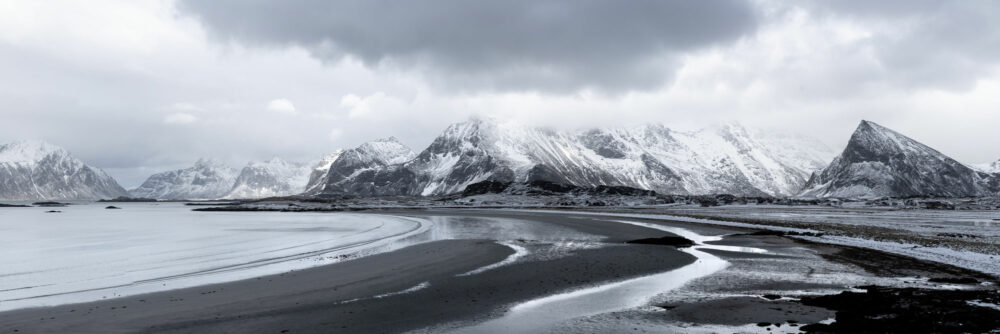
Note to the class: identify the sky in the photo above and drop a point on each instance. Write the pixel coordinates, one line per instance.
(142, 86)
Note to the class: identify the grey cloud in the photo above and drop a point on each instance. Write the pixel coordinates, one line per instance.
(551, 45)
(939, 44)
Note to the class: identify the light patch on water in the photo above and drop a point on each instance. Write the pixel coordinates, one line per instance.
(415, 288)
(983, 304)
(519, 252)
(547, 313)
(88, 253)
(699, 240)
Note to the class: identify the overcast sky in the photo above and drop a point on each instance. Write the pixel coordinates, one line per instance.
(141, 86)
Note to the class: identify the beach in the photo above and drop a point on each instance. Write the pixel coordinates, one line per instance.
(497, 270)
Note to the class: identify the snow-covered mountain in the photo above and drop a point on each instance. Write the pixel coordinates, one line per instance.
(723, 159)
(207, 179)
(35, 170)
(993, 167)
(318, 176)
(371, 169)
(880, 162)
(273, 177)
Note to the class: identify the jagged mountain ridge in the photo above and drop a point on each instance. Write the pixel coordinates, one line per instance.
(318, 176)
(207, 179)
(993, 167)
(371, 169)
(35, 170)
(724, 159)
(274, 177)
(880, 162)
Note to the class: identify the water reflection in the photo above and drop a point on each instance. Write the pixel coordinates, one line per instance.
(542, 314)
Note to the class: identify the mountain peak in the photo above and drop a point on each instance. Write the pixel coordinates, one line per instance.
(28, 151)
(869, 126)
(881, 162)
(34, 169)
(389, 139)
(207, 162)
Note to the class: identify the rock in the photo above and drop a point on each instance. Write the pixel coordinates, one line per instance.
(49, 203)
(127, 199)
(111, 207)
(665, 241)
(908, 310)
(954, 280)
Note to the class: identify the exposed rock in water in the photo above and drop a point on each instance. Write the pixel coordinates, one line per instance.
(909, 310)
(954, 280)
(49, 203)
(664, 241)
(125, 199)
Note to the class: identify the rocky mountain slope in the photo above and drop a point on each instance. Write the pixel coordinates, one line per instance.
(273, 177)
(373, 168)
(880, 162)
(34, 170)
(207, 179)
(318, 176)
(722, 159)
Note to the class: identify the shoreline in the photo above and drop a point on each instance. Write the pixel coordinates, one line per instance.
(422, 287)
(306, 298)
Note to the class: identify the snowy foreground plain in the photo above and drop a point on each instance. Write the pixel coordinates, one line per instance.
(965, 238)
(86, 252)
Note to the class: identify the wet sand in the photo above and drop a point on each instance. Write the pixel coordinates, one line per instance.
(338, 298)
(319, 300)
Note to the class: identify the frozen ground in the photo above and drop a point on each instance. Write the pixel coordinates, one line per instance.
(87, 252)
(964, 238)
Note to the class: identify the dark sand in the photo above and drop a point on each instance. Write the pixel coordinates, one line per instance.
(316, 300)
(313, 300)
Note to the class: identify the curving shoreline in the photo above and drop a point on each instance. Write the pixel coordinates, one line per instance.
(426, 287)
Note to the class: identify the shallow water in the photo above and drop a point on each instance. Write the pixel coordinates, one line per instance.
(546, 313)
(87, 252)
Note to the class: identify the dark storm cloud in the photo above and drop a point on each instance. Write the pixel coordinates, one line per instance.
(936, 44)
(554, 45)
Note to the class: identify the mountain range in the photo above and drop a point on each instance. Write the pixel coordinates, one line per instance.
(723, 159)
(34, 170)
(726, 158)
(274, 177)
(207, 179)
